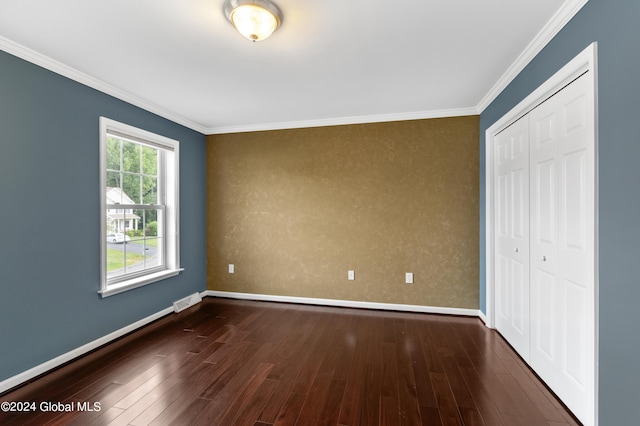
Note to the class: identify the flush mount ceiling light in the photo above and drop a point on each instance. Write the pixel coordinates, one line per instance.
(254, 19)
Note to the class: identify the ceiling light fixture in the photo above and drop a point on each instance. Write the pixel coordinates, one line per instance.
(254, 19)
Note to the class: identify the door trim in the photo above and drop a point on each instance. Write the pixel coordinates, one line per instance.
(584, 62)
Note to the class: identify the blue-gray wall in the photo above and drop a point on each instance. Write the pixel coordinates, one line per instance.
(614, 25)
(50, 217)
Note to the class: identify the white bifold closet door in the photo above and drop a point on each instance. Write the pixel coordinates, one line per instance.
(512, 235)
(562, 244)
(545, 238)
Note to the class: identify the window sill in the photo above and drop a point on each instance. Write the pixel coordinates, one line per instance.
(139, 282)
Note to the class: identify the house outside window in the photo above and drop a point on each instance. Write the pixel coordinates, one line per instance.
(120, 220)
(140, 207)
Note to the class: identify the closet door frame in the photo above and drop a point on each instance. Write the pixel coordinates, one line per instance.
(584, 62)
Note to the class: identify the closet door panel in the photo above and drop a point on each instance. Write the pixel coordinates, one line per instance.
(545, 201)
(543, 308)
(575, 362)
(519, 283)
(576, 149)
(562, 245)
(546, 314)
(512, 236)
(574, 218)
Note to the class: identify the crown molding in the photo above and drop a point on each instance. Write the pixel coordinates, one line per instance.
(341, 121)
(568, 10)
(50, 64)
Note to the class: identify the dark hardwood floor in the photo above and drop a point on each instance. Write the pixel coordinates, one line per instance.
(226, 362)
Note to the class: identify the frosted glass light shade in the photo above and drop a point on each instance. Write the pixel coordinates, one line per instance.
(254, 19)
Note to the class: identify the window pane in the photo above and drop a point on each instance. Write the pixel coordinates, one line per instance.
(115, 261)
(144, 240)
(152, 232)
(131, 189)
(114, 180)
(131, 157)
(152, 253)
(149, 161)
(132, 241)
(113, 153)
(149, 190)
(112, 222)
(151, 228)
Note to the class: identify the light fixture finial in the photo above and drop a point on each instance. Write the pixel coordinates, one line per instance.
(256, 20)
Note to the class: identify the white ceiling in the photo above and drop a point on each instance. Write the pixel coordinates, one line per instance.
(331, 62)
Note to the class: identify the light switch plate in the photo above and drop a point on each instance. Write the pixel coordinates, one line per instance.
(351, 275)
(408, 278)
(232, 268)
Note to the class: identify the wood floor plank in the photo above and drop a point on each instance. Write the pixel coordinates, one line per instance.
(389, 370)
(316, 351)
(457, 383)
(484, 396)
(449, 414)
(186, 415)
(105, 417)
(299, 373)
(424, 389)
(354, 386)
(284, 389)
(407, 391)
(255, 405)
(374, 352)
(535, 391)
(370, 411)
(255, 363)
(224, 409)
(236, 372)
(471, 417)
(186, 403)
(521, 403)
(289, 413)
(389, 414)
(140, 406)
(430, 416)
(330, 411)
(315, 400)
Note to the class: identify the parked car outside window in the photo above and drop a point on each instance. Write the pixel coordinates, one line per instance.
(117, 237)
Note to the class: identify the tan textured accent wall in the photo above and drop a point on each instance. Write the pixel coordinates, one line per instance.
(295, 209)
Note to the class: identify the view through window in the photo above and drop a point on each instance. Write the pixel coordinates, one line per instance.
(134, 212)
(139, 190)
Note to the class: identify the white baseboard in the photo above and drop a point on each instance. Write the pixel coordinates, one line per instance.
(345, 303)
(482, 316)
(23, 377)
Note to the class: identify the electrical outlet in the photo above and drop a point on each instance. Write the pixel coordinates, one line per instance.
(232, 268)
(408, 278)
(351, 275)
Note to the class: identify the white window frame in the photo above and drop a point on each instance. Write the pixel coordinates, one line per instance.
(169, 176)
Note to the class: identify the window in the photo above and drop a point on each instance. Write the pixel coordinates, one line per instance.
(139, 214)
